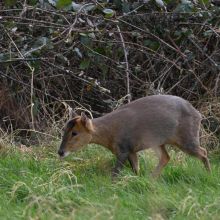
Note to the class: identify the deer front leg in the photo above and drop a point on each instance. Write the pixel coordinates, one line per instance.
(133, 160)
(121, 158)
(163, 157)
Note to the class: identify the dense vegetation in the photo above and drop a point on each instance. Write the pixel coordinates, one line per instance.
(96, 55)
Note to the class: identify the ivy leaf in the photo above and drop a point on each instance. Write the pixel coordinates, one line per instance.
(62, 59)
(78, 52)
(63, 3)
(53, 2)
(84, 7)
(85, 39)
(154, 45)
(160, 3)
(126, 7)
(10, 2)
(40, 43)
(109, 13)
(84, 64)
(184, 6)
(4, 57)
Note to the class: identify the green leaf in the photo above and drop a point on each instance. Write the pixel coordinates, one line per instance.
(100, 50)
(206, 2)
(32, 2)
(63, 3)
(185, 6)
(126, 7)
(53, 2)
(36, 106)
(208, 33)
(78, 52)
(84, 64)
(4, 57)
(84, 39)
(154, 45)
(104, 69)
(36, 48)
(118, 4)
(62, 59)
(36, 64)
(84, 7)
(10, 2)
(109, 13)
(168, 1)
(189, 55)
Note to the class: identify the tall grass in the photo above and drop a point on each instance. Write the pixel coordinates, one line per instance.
(35, 184)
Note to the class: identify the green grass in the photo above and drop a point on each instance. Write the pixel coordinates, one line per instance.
(37, 185)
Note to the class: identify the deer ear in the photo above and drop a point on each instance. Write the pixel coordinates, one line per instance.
(72, 114)
(84, 118)
(87, 122)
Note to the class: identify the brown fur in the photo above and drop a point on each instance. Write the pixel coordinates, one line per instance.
(149, 122)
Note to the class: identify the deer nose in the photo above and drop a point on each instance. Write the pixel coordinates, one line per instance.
(61, 152)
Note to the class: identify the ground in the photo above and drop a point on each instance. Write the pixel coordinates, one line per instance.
(36, 184)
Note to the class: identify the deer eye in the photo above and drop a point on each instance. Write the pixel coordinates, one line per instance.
(74, 133)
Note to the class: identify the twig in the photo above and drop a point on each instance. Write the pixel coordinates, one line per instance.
(127, 65)
(102, 89)
(25, 84)
(130, 12)
(25, 59)
(151, 34)
(39, 132)
(34, 21)
(200, 49)
(32, 74)
(32, 102)
(217, 84)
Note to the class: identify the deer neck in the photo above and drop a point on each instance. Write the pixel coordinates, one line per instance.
(102, 133)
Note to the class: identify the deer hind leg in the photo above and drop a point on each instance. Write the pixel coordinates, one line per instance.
(199, 152)
(189, 141)
(205, 159)
(133, 160)
(163, 160)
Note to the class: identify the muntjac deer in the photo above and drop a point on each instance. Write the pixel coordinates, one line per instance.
(149, 122)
